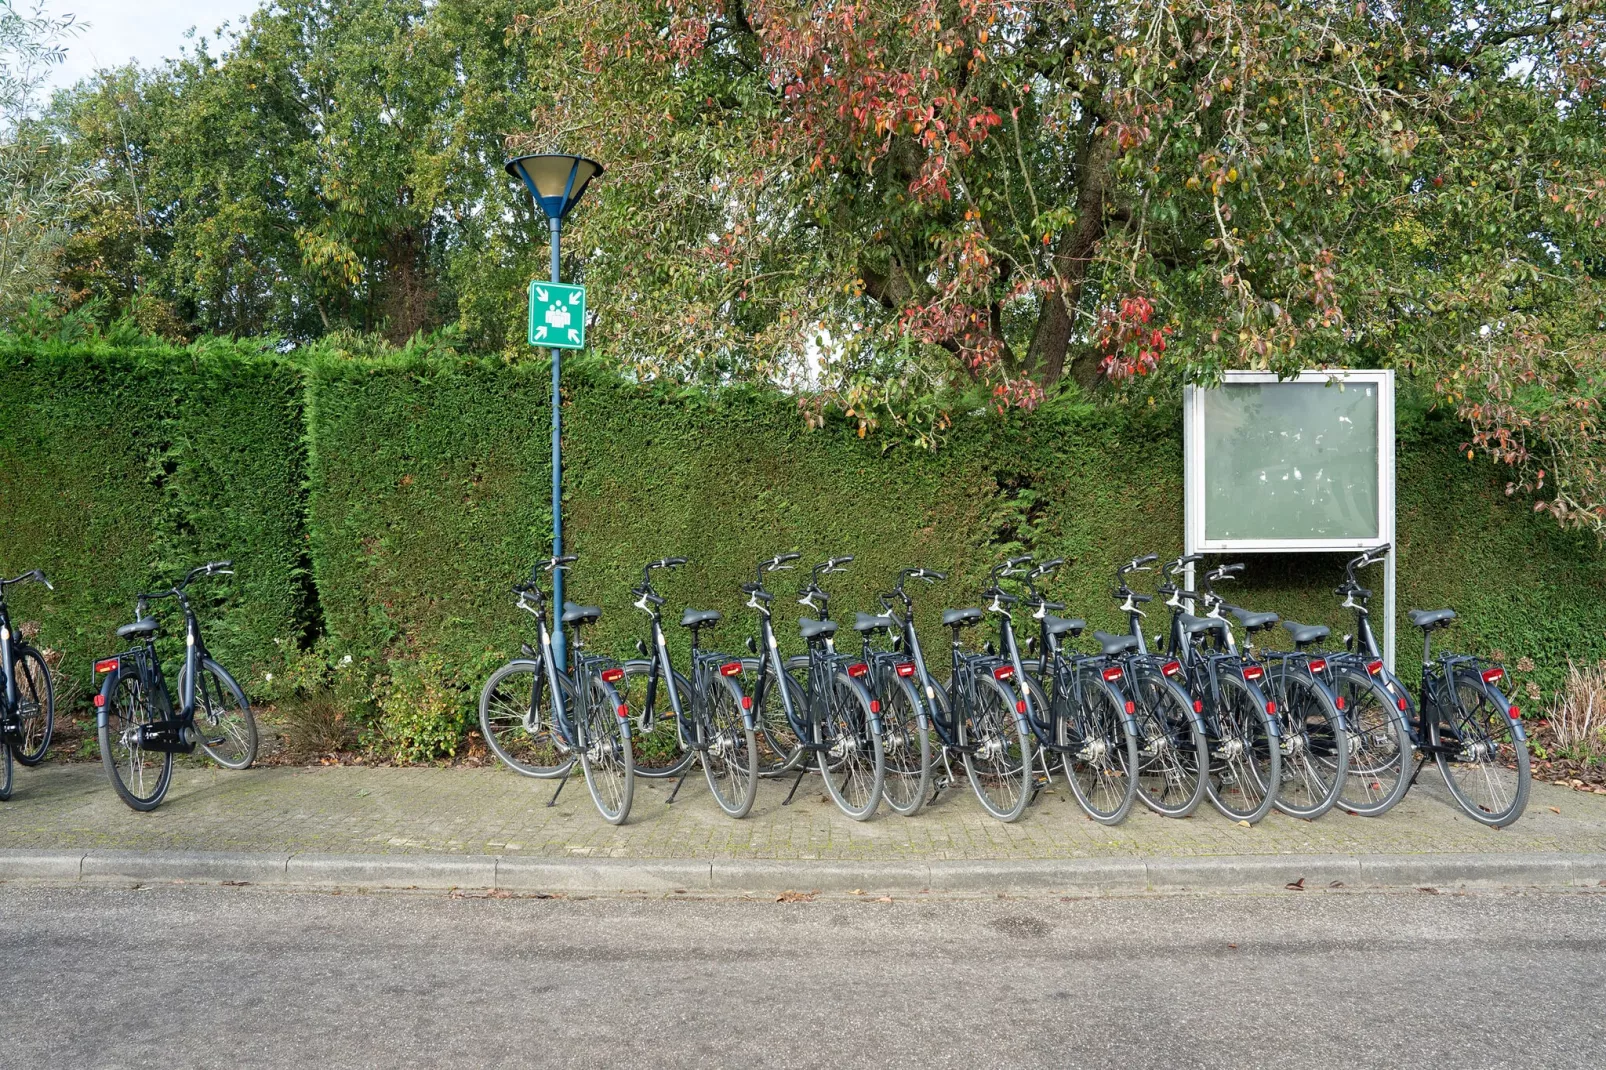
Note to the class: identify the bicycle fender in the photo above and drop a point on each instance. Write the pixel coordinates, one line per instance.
(1504, 705)
(1274, 728)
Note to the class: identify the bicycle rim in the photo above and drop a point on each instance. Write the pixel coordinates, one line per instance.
(853, 764)
(654, 734)
(1315, 753)
(35, 706)
(522, 737)
(730, 763)
(998, 753)
(223, 720)
(139, 776)
(1488, 774)
(6, 771)
(1172, 753)
(1102, 767)
(1379, 747)
(1244, 765)
(907, 748)
(605, 756)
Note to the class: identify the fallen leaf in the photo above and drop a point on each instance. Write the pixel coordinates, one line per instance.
(1245, 824)
(884, 899)
(1336, 884)
(1296, 886)
(1430, 891)
(796, 897)
(857, 891)
(234, 884)
(1554, 809)
(1233, 947)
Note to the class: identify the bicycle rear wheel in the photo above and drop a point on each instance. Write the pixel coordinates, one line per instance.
(853, 764)
(36, 705)
(1488, 772)
(5, 771)
(223, 720)
(997, 750)
(1103, 765)
(1172, 752)
(1315, 747)
(139, 776)
(1245, 762)
(907, 747)
(603, 734)
(1379, 746)
(655, 734)
(516, 720)
(730, 763)
(778, 748)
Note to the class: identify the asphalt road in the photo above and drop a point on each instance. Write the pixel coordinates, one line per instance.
(243, 977)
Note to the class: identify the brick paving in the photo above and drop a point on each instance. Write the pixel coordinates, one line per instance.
(490, 811)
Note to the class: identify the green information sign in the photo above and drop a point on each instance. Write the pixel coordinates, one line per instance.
(557, 315)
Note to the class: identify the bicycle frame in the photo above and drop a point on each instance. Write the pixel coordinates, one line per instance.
(174, 731)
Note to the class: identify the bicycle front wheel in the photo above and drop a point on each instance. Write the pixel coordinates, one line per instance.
(1245, 761)
(1172, 752)
(655, 742)
(908, 749)
(223, 720)
(36, 705)
(1483, 764)
(853, 763)
(1379, 746)
(997, 750)
(5, 771)
(603, 735)
(516, 720)
(779, 750)
(1315, 748)
(730, 763)
(139, 776)
(1103, 762)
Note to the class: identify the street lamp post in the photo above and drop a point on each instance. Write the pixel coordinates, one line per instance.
(556, 182)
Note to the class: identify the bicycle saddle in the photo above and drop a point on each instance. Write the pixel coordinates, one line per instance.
(1061, 625)
(577, 614)
(951, 617)
(143, 626)
(1116, 644)
(1306, 633)
(1251, 620)
(865, 622)
(1431, 618)
(1192, 624)
(696, 618)
(816, 629)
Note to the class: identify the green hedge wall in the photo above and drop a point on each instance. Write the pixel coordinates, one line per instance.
(122, 468)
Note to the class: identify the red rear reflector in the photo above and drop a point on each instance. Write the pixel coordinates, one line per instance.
(1271, 708)
(1338, 700)
(747, 702)
(906, 669)
(1020, 705)
(1254, 672)
(733, 668)
(109, 665)
(624, 710)
(1112, 673)
(1171, 668)
(1198, 706)
(1399, 703)
(1003, 672)
(1131, 707)
(858, 670)
(875, 705)
(1491, 675)
(1318, 664)
(100, 700)
(1374, 667)
(1516, 714)
(612, 676)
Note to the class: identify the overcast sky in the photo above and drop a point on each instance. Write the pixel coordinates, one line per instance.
(141, 30)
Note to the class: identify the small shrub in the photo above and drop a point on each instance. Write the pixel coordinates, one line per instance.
(1578, 721)
(421, 716)
(316, 724)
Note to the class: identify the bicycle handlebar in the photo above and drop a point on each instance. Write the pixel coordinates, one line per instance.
(33, 575)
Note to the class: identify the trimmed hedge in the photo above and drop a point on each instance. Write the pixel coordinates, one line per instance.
(122, 468)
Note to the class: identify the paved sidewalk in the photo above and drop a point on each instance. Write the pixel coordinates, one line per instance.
(486, 812)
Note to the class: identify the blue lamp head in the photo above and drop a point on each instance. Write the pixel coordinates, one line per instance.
(556, 181)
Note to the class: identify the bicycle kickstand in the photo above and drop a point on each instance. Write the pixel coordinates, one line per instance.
(684, 774)
(1421, 762)
(803, 771)
(554, 800)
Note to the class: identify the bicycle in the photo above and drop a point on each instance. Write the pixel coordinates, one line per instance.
(718, 727)
(892, 680)
(1460, 719)
(1085, 719)
(1240, 723)
(28, 705)
(538, 719)
(1173, 749)
(138, 727)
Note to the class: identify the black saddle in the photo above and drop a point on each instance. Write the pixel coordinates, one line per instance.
(696, 618)
(1306, 633)
(577, 614)
(865, 622)
(143, 626)
(1116, 644)
(963, 617)
(1251, 620)
(1193, 625)
(1061, 625)
(1431, 618)
(816, 629)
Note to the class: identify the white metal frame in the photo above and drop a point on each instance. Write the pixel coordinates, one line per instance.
(1193, 437)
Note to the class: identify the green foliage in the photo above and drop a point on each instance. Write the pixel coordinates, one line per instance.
(421, 714)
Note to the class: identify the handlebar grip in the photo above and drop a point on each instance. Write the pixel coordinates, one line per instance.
(933, 574)
(1231, 568)
(1051, 564)
(839, 561)
(1021, 560)
(1054, 605)
(1141, 598)
(221, 564)
(675, 562)
(1364, 592)
(1146, 559)
(781, 559)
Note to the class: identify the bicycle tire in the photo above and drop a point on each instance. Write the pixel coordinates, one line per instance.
(655, 744)
(1173, 755)
(127, 706)
(1379, 746)
(33, 676)
(212, 716)
(6, 772)
(998, 753)
(730, 764)
(1485, 717)
(1245, 765)
(779, 750)
(602, 730)
(1314, 745)
(852, 764)
(907, 784)
(504, 706)
(1103, 771)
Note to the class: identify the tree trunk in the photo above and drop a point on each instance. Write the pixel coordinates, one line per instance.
(1051, 339)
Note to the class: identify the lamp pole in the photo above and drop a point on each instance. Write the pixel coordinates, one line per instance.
(556, 181)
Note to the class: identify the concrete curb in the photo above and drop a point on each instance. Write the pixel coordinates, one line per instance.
(613, 876)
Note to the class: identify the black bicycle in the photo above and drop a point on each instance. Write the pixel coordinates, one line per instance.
(899, 682)
(677, 720)
(537, 718)
(139, 728)
(27, 708)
